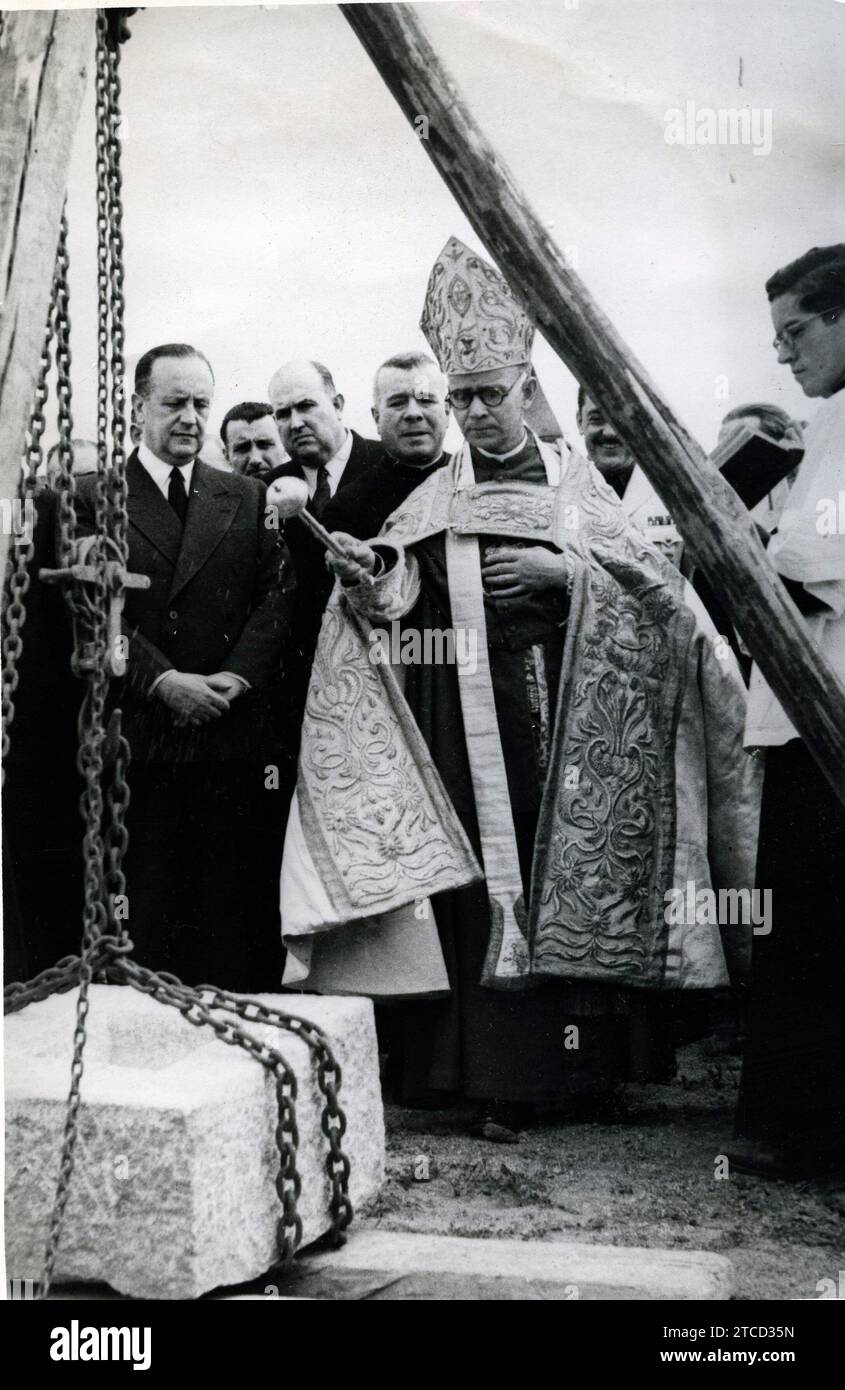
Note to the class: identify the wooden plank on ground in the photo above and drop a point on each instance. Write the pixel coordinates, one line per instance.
(391, 1266)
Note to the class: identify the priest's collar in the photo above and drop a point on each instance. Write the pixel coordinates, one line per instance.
(418, 467)
(512, 453)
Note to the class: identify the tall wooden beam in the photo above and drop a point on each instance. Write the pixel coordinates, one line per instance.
(706, 509)
(44, 55)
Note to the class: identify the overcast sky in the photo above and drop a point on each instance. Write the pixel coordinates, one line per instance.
(278, 204)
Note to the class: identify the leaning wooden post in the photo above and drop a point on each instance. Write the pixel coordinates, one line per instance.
(43, 60)
(707, 511)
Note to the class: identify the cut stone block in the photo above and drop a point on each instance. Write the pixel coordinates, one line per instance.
(173, 1191)
(387, 1265)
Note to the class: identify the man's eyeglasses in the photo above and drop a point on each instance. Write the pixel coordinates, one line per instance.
(788, 337)
(463, 396)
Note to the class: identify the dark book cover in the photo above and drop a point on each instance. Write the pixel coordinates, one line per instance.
(753, 463)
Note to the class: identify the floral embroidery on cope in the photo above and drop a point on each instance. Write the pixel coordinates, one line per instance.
(609, 842)
(382, 829)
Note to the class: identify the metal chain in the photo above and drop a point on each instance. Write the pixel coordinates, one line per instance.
(116, 839)
(92, 661)
(17, 578)
(102, 143)
(56, 979)
(95, 919)
(110, 281)
(66, 508)
(167, 989)
(120, 527)
(329, 1078)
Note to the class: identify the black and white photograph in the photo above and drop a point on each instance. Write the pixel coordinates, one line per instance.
(422, 477)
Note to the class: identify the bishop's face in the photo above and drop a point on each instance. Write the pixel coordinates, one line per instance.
(490, 406)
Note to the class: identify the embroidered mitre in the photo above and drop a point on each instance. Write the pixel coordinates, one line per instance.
(470, 318)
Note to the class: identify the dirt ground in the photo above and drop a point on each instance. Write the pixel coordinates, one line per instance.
(642, 1175)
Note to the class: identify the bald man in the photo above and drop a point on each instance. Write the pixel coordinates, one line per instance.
(308, 409)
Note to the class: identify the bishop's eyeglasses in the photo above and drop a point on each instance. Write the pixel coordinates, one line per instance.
(463, 396)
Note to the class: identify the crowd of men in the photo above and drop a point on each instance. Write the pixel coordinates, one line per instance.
(485, 846)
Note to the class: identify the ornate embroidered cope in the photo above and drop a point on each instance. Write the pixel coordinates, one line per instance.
(372, 814)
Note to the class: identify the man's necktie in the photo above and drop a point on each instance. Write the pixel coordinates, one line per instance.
(176, 494)
(322, 492)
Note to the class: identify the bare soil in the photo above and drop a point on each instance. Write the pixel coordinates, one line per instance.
(641, 1174)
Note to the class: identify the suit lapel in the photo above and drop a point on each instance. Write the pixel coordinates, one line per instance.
(151, 512)
(356, 464)
(211, 511)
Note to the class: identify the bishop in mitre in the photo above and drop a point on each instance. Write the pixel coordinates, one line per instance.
(522, 771)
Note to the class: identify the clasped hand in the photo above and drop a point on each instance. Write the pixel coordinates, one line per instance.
(511, 571)
(196, 699)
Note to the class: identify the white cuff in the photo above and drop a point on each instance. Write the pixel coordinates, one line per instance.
(391, 593)
(171, 671)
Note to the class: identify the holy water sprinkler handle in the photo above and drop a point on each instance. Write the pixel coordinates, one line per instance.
(290, 496)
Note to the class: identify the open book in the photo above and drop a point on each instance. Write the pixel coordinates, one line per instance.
(754, 463)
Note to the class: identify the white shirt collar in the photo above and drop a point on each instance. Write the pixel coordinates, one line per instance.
(334, 467)
(160, 472)
(500, 458)
(555, 461)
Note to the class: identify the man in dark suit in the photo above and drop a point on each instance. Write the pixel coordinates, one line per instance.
(205, 640)
(308, 410)
(411, 411)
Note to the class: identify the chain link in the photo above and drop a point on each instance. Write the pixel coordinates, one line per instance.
(120, 517)
(56, 979)
(89, 610)
(329, 1077)
(17, 579)
(64, 484)
(116, 840)
(167, 989)
(202, 1007)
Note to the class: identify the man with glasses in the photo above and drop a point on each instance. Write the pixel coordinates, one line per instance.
(791, 1109)
(502, 830)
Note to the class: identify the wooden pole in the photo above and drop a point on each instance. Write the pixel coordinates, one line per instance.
(44, 55)
(705, 508)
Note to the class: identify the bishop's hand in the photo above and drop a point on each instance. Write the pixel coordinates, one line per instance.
(357, 560)
(512, 571)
